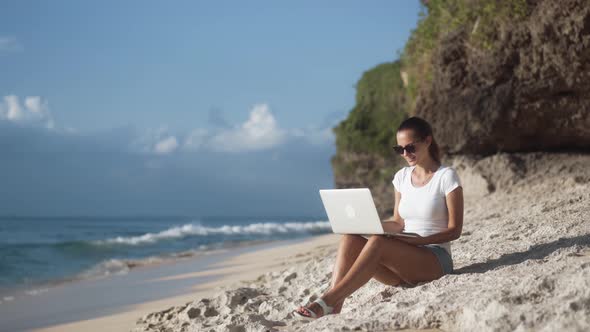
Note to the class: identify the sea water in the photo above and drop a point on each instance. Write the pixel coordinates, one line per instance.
(41, 250)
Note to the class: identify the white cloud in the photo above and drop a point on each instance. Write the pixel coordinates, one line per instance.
(14, 111)
(259, 132)
(34, 110)
(9, 44)
(34, 104)
(147, 140)
(166, 145)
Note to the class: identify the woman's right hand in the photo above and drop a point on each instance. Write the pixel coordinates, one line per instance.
(392, 226)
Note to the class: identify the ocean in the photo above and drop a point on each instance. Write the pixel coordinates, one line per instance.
(39, 251)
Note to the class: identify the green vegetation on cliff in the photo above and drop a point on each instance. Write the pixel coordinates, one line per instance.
(382, 99)
(480, 22)
(380, 107)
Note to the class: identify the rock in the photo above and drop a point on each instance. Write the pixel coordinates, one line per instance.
(193, 313)
(529, 93)
(290, 277)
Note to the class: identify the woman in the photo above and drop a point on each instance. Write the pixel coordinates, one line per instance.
(428, 201)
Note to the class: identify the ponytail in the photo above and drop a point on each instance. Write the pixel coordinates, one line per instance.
(434, 151)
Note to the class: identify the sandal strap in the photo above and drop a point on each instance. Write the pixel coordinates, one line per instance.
(325, 308)
(309, 312)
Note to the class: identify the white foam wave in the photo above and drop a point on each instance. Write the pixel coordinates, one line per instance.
(34, 292)
(117, 266)
(106, 268)
(193, 229)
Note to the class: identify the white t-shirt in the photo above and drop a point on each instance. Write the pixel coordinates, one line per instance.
(424, 209)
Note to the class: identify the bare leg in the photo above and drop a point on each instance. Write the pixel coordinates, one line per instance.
(350, 247)
(348, 250)
(409, 262)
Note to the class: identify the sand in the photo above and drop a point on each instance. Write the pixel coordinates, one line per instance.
(522, 263)
(246, 266)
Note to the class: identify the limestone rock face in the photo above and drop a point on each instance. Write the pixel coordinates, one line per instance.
(528, 93)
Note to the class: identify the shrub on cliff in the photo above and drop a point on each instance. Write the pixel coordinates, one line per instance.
(380, 107)
(480, 22)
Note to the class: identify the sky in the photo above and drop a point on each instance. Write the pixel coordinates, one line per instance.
(195, 108)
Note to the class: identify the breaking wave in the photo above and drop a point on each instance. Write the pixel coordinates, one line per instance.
(270, 228)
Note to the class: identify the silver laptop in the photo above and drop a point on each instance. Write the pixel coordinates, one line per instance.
(353, 211)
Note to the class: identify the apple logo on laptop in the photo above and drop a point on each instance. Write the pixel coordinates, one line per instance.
(350, 211)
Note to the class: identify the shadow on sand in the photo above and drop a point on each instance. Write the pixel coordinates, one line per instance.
(537, 251)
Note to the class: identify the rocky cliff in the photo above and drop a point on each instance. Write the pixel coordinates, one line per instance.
(491, 77)
(527, 91)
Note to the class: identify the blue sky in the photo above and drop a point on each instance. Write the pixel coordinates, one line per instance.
(145, 107)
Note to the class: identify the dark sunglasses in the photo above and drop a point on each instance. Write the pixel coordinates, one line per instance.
(410, 148)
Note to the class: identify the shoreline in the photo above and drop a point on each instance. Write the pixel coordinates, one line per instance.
(33, 264)
(127, 265)
(227, 269)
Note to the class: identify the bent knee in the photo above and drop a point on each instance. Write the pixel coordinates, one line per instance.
(353, 237)
(382, 241)
(378, 241)
(379, 238)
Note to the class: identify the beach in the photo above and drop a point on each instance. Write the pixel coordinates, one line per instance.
(97, 266)
(522, 263)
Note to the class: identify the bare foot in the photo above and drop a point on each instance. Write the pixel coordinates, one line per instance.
(317, 309)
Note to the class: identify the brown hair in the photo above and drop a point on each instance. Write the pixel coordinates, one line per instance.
(421, 129)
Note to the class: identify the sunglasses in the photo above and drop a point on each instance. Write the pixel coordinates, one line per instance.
(410, 148)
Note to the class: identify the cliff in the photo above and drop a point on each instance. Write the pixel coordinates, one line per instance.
(525, 89)
(490, 76)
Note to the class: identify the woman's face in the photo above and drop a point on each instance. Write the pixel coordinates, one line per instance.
(405, 138)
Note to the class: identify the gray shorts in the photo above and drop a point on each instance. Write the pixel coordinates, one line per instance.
(444, 259)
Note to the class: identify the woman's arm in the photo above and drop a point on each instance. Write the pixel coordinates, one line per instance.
(455, 207)
(395, 224)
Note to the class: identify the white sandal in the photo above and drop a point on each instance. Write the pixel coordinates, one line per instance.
(326, 309)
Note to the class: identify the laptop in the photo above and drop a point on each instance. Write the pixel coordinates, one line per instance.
(353, 211)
